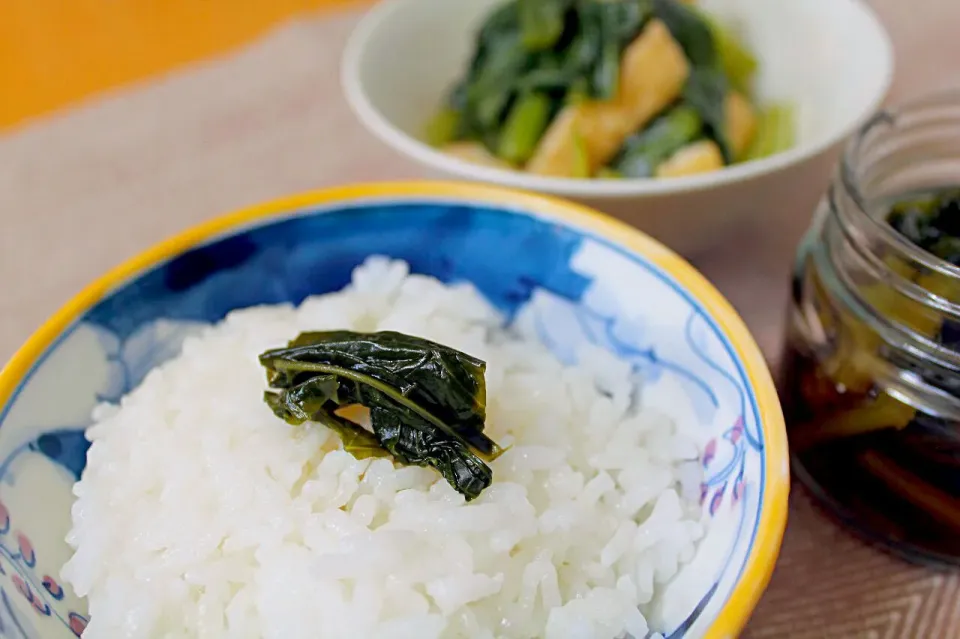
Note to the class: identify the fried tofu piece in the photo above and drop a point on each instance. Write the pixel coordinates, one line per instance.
(475, 153)
(653, 71)
(581, 139)
(652, 74)
(698, 157)
(741, 119)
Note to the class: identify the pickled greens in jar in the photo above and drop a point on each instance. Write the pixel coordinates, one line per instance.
(873, 421)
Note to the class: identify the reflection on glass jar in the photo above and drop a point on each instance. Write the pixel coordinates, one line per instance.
(871, 372)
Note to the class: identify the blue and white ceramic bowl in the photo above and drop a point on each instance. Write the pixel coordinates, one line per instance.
(581, 274)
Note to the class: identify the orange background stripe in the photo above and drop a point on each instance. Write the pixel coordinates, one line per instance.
(56, 52)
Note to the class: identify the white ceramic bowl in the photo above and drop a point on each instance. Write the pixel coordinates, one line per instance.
(831, 58)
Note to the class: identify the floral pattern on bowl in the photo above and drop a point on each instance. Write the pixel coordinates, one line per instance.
(566, 284)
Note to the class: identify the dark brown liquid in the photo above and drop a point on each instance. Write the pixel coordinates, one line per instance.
(889, 471)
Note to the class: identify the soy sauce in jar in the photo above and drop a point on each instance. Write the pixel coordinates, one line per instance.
(870, 377)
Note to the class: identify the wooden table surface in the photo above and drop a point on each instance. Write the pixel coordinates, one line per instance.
(95, 184)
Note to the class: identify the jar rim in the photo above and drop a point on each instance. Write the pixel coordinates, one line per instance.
(889, 117)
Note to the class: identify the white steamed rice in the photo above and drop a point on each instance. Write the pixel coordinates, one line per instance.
(200, 514)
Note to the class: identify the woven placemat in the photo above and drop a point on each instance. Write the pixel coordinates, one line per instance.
(81, 191)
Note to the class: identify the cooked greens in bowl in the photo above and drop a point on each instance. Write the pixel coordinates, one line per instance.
(819, 68)
(608, 89)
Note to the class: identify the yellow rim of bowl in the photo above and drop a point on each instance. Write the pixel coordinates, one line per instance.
(773, 515)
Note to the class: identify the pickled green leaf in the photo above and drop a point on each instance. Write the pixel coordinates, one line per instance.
(427, 401)
(307, 402)
(932, 222)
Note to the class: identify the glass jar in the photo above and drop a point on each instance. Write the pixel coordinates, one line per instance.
(870, 378)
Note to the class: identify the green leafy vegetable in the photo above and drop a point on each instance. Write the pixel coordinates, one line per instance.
(926, 204)
(503, 23)
(533, 57)
(626, 19)
(706, 91)
(526, 123)
(776, 125)
(560, 51)
(308, 402)
(579, 92)
(932, 223)
(737, 62)
(707, 86)
(690, 30)
(427, 401)
(443, 127)
(549, 75)
(580, 55)
(581, 159)
(606, 73)
(542, 22)
(644, 151)
(489, 94)
(604, 29)
(606, 173)
(485, 93)
(606, 70)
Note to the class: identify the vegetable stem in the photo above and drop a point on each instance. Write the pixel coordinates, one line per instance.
(737, 62)
(443, 127)
(644, 151)
(524, 126)
(776, 127)
(706, 91)
(884, 412)
(581, 156)
(541, 22)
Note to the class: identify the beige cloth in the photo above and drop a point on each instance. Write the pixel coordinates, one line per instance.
(83, 190)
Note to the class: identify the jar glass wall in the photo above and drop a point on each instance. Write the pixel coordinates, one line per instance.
(870, 378)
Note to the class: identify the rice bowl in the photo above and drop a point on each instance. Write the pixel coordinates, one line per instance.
(644, 472)
(267, 530)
